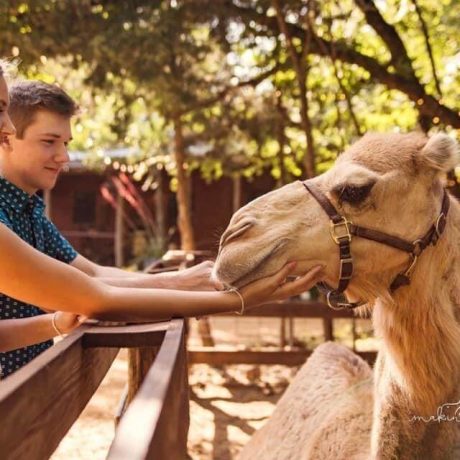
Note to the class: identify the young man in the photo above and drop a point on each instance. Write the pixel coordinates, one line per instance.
(22, 332)
(31, 160)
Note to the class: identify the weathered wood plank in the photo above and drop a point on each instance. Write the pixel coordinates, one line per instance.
(131, 336)
(295, 309)
(41, 401)
(155, 424)
(140, 361)
(328, 328)
(170, 437)
(204, 355)
(143, 341)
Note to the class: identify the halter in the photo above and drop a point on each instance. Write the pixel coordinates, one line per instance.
(341, 232)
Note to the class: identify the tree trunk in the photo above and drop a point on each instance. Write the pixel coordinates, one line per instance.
(119, 231)
(299, 63)
(184, 214)
(160, 210)
(281, 138)
(236, 192)
(306, 124)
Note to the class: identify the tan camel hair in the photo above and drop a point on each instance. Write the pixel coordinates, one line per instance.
(336, 407)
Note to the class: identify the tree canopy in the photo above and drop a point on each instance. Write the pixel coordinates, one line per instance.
(238, 86)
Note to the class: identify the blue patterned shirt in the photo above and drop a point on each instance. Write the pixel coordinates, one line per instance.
(23, 214)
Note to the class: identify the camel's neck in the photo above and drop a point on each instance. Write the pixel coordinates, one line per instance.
(418, 370)
(421, 331)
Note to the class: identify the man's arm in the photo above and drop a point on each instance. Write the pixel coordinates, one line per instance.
(97, 271)
(197, 278)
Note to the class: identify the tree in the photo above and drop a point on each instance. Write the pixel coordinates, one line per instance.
(205, 67)
(300, 64)
(382, 53)
(179, 72)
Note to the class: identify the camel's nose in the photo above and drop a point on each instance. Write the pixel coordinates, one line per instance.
(236, 230)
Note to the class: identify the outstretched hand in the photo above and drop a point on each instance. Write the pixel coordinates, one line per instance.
(198, 278)
(276, 287)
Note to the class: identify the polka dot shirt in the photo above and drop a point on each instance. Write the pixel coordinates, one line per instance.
(23, 214)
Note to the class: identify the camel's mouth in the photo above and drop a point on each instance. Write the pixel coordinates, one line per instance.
(253, 272)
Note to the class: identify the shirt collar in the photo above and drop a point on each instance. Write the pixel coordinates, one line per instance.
(14, 198)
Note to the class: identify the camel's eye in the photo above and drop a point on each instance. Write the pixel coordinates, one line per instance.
(353, 194)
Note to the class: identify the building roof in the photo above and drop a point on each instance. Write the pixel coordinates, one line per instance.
(78, 157)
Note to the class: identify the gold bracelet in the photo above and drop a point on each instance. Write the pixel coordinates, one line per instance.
(238, 293)
(53, 322)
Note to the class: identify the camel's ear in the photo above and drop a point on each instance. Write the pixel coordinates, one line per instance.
(441, 152)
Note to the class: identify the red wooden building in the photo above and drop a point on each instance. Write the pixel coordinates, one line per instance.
(99, 230)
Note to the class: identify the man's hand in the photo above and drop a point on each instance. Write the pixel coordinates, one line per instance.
(66, 322)
(276, 287)
(197, 278)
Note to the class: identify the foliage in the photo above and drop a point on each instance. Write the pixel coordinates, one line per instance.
(224, 68)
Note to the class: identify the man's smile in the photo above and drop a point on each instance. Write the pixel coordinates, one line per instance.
(54, 170)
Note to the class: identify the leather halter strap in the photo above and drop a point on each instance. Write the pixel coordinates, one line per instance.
(342, 231)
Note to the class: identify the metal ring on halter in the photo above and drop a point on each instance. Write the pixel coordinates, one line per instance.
(418, 248)
(440, 224)
(339, 304)
(412, 263)
(331, 305)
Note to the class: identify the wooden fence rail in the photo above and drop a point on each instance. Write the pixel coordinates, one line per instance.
(41, 401)
(155, 425)
(294, 356)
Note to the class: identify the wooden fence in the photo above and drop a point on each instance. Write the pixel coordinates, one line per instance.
(41, 401)
(293, 356)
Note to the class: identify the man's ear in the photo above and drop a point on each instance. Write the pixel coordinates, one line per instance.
(441, 153)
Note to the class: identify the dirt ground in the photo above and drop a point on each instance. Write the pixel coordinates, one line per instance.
(226, 405)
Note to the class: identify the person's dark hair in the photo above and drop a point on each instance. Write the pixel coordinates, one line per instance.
(29, 97)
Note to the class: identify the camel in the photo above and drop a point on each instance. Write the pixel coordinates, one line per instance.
(408, 406)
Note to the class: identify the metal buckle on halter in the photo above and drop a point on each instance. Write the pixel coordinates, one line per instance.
(343, 224)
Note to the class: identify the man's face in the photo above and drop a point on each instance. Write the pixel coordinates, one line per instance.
(35, 161)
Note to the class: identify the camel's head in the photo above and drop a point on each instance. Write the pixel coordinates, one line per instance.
(388, 182)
